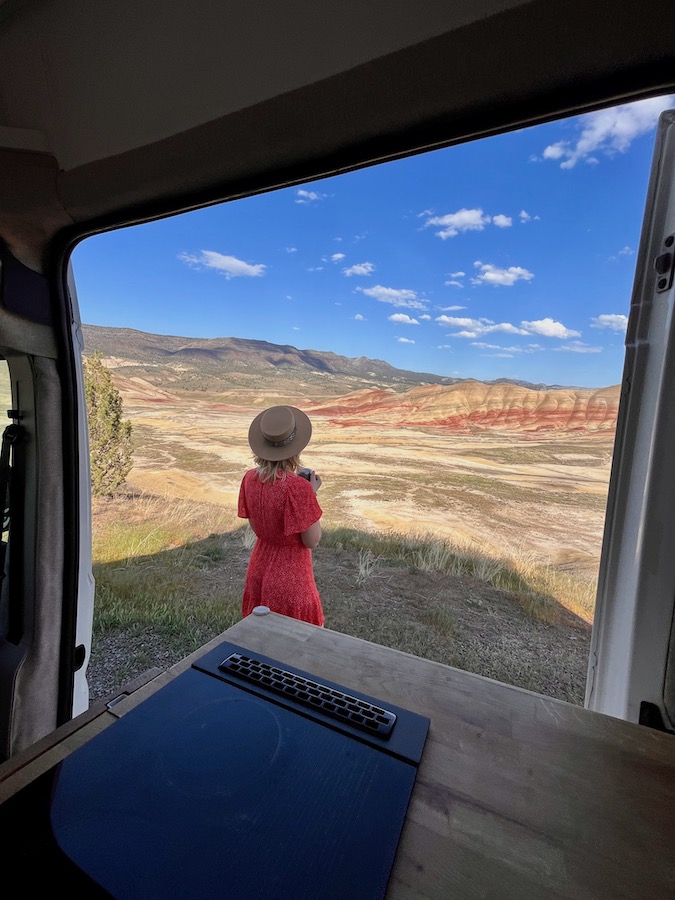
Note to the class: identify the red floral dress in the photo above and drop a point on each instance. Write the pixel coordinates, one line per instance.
(280, 573)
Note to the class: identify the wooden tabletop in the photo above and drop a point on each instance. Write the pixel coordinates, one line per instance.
(517, 795)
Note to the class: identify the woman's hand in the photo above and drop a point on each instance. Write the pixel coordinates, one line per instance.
(315, 481)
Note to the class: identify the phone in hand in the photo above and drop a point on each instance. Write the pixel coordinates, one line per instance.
(305, 473)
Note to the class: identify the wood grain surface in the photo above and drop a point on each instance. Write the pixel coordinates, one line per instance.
(517, 795)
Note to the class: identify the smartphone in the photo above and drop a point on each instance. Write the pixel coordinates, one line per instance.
(305, 473)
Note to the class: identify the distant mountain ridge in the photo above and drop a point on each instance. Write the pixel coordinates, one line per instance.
(231, 374)
(211, 363)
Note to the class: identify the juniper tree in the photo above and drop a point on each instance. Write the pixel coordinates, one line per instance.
(109, 435)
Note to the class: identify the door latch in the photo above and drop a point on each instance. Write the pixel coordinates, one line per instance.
(664, 265)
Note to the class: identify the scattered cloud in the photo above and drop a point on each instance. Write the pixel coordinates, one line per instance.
(465, 220)
(305, 197)
(228, 266)
(475, 328)
(399, 297)
(626, 251)
(359, 317)
(608, 132)
(425, 317)
(457, 274)
(526, 217)
(402, 319)
(527, 348)
(498, 355)
(453, 283)
(578, 347)
(549, 328)
(296, 328)
(455, 322)
(291, 249)
(445, 346)
(494, 275)
(365, 268)
(612, 321)
(403, 340)
(450, 308)
(337, 257)
(315, 269)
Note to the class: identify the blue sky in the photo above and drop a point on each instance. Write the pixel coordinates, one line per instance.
(512, 256)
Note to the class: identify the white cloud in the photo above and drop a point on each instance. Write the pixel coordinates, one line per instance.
(228, 266)
(399, 297)
(612, 321)
(337, 257)
(291, 249)
(491, 274)
(608, 131)
(455, 223)
(498, 355)
(502, 221)
(455, 322)
(425, 317)
(402, 319)
(308, 196)
(445, 346)
(315, 269)
(403, 340)
(626, 251)
(365, 268)
(450, 308)
(453, 283)
(528, 348)
(296, 328)
(524, 216)
(579, 347)
(359, 317)
(555, 151)
(549, 328)
(476, 328)
(457, 274)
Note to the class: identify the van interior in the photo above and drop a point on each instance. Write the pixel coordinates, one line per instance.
(117, 114)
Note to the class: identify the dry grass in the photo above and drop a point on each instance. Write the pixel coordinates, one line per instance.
(169, 576)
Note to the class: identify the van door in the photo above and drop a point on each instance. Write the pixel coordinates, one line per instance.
(632, 661)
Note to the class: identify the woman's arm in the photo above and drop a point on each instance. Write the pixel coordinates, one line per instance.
(312, 536)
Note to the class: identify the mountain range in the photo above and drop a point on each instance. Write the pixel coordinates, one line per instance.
(237, 372)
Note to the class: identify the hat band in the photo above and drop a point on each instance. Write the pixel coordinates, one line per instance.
(285, 440)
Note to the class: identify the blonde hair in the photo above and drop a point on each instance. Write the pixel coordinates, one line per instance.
(270, 470)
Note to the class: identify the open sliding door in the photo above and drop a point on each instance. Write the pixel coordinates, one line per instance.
(632, 662)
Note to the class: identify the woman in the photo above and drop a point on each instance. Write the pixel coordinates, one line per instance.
(285, 515)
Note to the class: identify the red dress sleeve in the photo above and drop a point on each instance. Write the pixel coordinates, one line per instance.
(302, 507)
(242, 511)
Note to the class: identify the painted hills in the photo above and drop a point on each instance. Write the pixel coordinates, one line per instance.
(232, 373)
(476, 406)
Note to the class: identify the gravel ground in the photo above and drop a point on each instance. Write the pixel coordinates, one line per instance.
(120, 657)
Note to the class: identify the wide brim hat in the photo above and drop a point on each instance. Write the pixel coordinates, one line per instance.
(279, 432)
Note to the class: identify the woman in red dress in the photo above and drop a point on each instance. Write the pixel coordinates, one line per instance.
(285, 515)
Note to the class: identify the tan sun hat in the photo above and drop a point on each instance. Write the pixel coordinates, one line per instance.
(279, 433)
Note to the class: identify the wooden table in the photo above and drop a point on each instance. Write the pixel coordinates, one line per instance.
(517, 795)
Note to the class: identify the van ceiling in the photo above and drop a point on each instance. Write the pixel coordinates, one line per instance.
(120, 111)
(100, 78)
